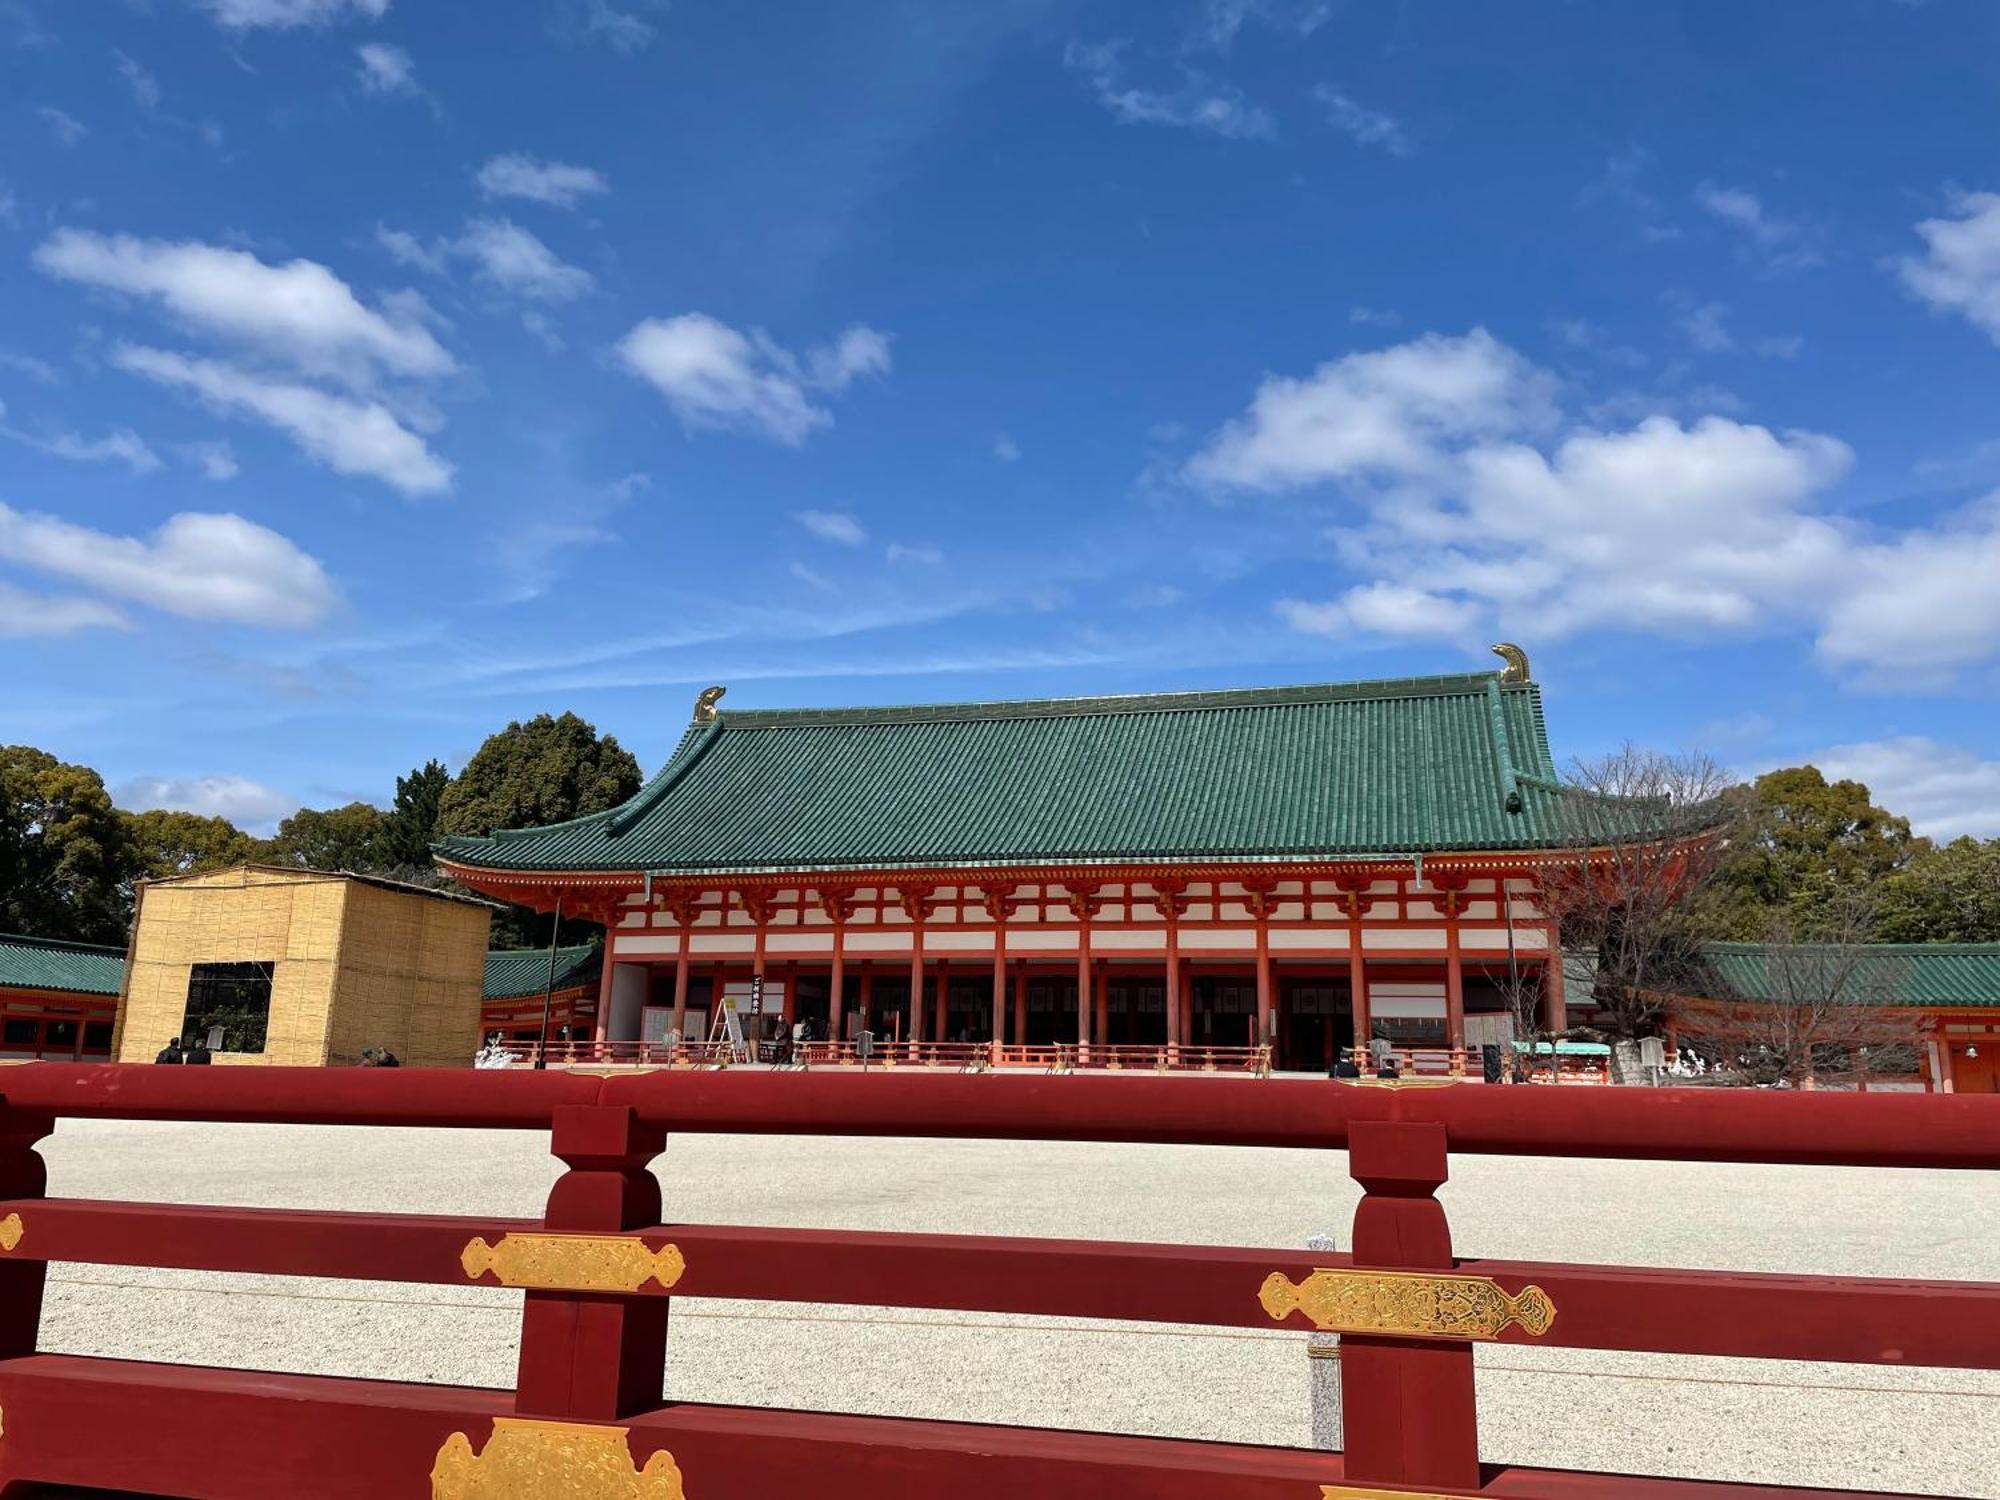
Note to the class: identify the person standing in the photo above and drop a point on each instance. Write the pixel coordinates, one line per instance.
(171, 1053)
(197, 1053)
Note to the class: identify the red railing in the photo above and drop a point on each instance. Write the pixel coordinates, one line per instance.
(593, 1337)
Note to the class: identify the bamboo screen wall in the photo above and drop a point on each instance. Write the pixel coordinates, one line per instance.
(354, 965)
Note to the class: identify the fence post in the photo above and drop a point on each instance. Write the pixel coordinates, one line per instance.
(592, 1356)
(23, 1174)
(1407, 1404)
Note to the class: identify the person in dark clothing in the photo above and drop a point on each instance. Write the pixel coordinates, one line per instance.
(379, 1057)
(1346, 1067)
(171, 1053)
(197, 1052)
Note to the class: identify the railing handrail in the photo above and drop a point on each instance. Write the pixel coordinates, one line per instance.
(1773, 1126)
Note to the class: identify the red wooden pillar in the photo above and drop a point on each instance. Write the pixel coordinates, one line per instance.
(1407, 1405)
(1101, 1026)
(1020, 1005)
(866, 999)
(1357, 977)
(836, 993)
(680, 988)
(941, 1030)
(1555, 1018)
(1172, 897)
(1454, 978)
(999, 906)
(917, 905)
(23, 1174)
(1084, 902)
(1258, 898)
(588, 1356)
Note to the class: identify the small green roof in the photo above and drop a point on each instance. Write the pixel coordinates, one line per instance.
(30, 963)
(1331, 770)
(515, 972)
(1919, 974)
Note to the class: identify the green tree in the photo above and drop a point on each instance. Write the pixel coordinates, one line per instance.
(546, 770)
(1945, 894)
(164, 842)
(63, 855)
(333, 838)
(1803, 845)
(413, 817)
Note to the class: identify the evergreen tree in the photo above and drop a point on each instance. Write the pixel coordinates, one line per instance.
(333, 838)
(413, 817)
(64, 860)
(165, 842)
(546, 770)
(1948, 894)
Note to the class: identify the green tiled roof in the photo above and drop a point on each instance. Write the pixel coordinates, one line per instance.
(514, 972)
(1343, 769)
(1926, 974)
(28, 963)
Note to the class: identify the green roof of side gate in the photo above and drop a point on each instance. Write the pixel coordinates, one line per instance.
(1344, 769)
(514, 972)
(28, 963)
(1916, 974)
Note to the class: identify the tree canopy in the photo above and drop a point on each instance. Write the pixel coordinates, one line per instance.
(334, 838)
(546, 770)
(163, 842)
(413, 817)
(63, 854)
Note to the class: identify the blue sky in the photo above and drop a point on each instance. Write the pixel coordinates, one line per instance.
(370, 380)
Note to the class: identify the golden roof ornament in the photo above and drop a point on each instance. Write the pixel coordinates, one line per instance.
(1516, 659)
(704, 706)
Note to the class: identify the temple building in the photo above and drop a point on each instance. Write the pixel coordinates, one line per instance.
(1297, 867)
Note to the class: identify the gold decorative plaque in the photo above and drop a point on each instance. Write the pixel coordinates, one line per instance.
(574, 1262)
(551, 1461)
(1406, 1304)
(11, 1230)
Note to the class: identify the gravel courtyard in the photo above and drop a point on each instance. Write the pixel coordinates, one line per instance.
(1920, 1430)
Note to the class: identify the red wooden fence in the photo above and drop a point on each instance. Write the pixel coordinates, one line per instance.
(587, 1420)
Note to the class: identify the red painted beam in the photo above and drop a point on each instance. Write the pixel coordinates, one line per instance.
(1852, 1320)
(1754, 1125)
(211, 1434)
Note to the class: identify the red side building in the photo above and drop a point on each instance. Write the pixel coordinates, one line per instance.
(1300, 867)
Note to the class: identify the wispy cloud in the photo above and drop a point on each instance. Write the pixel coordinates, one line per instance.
(1778, 244)
(65, 127)
(1368, 127)
(554, 183)
(1195, 102)
(832, 526)
(714, 376)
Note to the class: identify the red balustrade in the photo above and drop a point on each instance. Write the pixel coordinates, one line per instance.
(602, 1270)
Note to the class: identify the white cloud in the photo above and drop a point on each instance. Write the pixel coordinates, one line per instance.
(1373, 317)
(1197, 103)
(215, 460)
(66, 128)
(25, 614)
(558, 184)
(1706, 328)
(120, 445)
(509, 257)
(1944, 790)
(1383, 609)
(1781, 244)
(1387, 410)
(38, 370)
(299, 311)
(1960, 268)
(406, 249)
(387, 69)
(349, 436)
(832, 526)
(1368, 127)
(810, 578)
(249, 15)
(1221, 20)
(1914, 607)
(577, 21)
(204, 567)
(248, 804)
(1459, 504)
(916, 552)
(501, 253)
(144, 86)
(1006, 449)
(714, 376)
